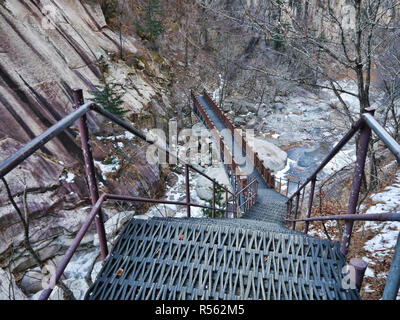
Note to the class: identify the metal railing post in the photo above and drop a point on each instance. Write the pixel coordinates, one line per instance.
(359, 266)
(287, 187)
(296, 208)
(365, 134)
(393, 280)
(226, 203)
(289, 207)
(187, 190)
(213, 199)
(90, 173)
(310, 203)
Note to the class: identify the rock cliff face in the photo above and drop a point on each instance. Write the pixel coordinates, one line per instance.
(48, 47)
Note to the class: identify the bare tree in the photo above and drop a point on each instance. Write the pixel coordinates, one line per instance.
(25, 218)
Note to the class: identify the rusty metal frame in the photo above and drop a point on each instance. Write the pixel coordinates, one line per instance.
(79, 116)
(82, 231)
(365, 125)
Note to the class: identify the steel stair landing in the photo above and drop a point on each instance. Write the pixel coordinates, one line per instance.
(195, 259)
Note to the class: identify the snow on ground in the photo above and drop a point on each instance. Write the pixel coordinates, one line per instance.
(380, 247)
(177, 193)
(69, 178)
(109, 167)
(386, 201)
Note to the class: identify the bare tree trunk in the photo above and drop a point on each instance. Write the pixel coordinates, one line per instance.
(25, 220)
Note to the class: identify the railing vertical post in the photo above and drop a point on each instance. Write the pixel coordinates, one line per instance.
(296, 208)
(213, 199)
(287, 187)
(289, 207)
(360, 266)
(365, 134)
(187, 185)
(310, 202)
(90, 173)
(226, 203)
(393, 280)
(280, 184)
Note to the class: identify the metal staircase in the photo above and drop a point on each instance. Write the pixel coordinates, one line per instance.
(250, 253)
(253, 257)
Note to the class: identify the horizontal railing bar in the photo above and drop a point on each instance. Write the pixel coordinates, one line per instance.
(160, 201)
(354, 128)
(388, 216)
(36, 143)
(82, 231)
(386, 138)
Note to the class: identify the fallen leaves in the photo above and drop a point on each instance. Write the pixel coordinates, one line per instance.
(119, 273)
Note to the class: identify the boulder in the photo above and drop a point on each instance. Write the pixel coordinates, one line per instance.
(31, 282)
(204, 185)
(114, 225)
(273, 157)
(239, 121)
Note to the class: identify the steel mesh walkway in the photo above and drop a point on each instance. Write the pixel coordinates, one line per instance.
(163, 259)
(254, 257)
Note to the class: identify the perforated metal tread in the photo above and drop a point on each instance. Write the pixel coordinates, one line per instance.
(273, 212)
(254, 257)
(165, 259)
(237, 223)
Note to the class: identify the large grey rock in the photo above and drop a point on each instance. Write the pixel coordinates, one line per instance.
(114, 225)
(273, 157)
(32, 281)
(204, 185)
(239, 121)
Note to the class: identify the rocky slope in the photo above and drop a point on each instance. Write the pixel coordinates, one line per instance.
(48, 47)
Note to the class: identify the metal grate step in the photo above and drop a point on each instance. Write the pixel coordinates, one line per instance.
(164, 258)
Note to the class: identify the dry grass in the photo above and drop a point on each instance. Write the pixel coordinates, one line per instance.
(372, 288)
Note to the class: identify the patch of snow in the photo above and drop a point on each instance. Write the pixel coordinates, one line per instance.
(69, 178)
(282, 173)
(104, 168)
(342, 159)
(382, 244)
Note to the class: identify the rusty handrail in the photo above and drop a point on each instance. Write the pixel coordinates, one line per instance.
(222, 146)
(350, 133)
(365, 125)
(385, 216)
(85, 226)
(240, 177)
(258, 164)
(81, 109)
